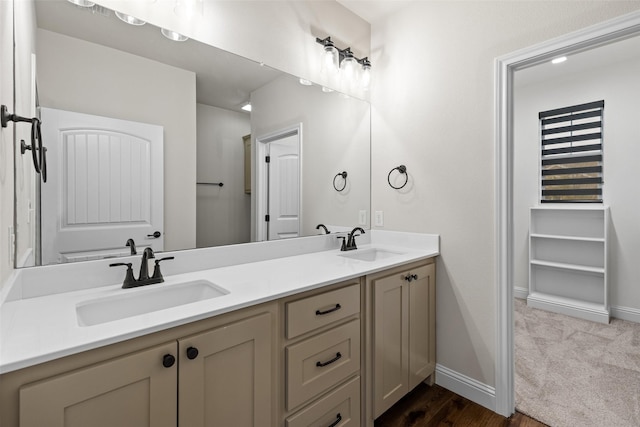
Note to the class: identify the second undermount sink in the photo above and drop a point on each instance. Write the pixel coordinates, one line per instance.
(370, 254)
(145, 300)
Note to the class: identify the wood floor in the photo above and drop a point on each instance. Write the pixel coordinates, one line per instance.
(436, 406)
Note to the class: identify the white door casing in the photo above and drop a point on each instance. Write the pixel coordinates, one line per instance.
(279, 184)
(105, 185)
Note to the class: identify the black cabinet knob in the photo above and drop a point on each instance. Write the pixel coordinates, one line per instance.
(168, 360)
(192, 353)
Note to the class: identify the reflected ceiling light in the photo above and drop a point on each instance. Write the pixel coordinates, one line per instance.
(131, 20)
(354, 72)
(83, 3)
(247, 107)
(305, 82)
(559, 60)
(326, 89)
(172, 35)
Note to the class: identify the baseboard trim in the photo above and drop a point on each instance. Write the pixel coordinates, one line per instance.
(521, 293)
(467, 387)
(625, 313)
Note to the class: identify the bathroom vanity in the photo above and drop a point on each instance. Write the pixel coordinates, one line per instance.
(321, 338)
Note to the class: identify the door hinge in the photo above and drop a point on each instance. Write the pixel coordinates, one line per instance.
(267, 159)
(266, 218)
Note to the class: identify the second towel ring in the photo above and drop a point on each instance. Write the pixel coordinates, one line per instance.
(344, 177)
(403, 170)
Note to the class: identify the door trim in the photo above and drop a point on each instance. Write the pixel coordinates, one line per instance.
(262, 181)
(605, 32)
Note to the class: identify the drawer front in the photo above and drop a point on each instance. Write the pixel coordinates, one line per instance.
(313, 312)
(319, 363)
(339, 408)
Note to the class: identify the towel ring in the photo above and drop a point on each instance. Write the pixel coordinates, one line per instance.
(403, 170)
(37, 149)
(344, 177)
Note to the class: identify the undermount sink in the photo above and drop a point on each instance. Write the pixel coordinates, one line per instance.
(145, 300)
(371, 254)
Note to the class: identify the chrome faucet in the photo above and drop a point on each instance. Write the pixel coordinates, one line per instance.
(351, 239)
(143, 278)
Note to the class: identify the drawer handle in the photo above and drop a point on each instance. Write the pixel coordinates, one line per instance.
(329, 362)
(411, 277)
(337, 421)
(331, 310)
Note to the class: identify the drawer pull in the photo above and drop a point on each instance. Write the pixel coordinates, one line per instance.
(329, 362)
(337, 421)
(411, 277)
(331, 310)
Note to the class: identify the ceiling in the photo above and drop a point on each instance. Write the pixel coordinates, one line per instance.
(603, 56)
(223, 79)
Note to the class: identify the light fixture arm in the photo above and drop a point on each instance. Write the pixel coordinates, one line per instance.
(343, 53)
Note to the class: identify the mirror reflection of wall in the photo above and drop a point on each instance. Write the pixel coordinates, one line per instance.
(90, 62)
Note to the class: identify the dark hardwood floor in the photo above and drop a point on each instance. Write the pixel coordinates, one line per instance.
(436, 406)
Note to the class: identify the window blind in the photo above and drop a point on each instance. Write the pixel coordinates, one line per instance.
(571, 148)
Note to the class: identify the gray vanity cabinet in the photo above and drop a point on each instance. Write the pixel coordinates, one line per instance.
(132, 390)
(215, 372)
(403, 342)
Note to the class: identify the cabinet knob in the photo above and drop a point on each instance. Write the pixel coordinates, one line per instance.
(168, 360)
(192, 353)
(411, 277)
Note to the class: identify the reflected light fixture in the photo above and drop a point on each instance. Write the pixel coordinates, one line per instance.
(246, 107)
(559, 60)
(353, 71)
(131, 20)
(172, 35)
(82, 3)
(305, 82)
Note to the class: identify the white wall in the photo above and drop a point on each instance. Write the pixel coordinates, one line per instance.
(433, 111)
(73, 74)
(618, 85)
(223, 213)
(335, 138)
(6, 139)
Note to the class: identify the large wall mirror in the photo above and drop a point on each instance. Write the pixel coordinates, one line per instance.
(141, 131)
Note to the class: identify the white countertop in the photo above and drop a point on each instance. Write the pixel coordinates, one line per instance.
(39, 329)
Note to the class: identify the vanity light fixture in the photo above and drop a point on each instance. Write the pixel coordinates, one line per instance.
(353, 71)
(131, 20)
(246, 107)
(172, 35)
(559, 60)
(82, 3)
(305, 82)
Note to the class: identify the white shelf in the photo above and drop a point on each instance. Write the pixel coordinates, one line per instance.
(561, 237)
(565, 266)
(568, 260)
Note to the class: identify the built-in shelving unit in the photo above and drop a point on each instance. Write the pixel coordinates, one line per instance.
(568, 260)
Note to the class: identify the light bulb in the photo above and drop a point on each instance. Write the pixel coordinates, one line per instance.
(366, 75)
(349, 71)
(330, 59)
(132, 20)
(172, 35)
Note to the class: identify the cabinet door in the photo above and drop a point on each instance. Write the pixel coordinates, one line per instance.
(225, 375)
(133, 390)
(391, 341)
(422, 321)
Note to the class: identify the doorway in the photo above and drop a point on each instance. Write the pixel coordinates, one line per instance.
(589, 38)
(279, 184)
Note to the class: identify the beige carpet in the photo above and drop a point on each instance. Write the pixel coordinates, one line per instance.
(572, 372)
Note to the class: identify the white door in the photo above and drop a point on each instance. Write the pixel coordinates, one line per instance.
(278, 184)
(105, 185)
(284, 188)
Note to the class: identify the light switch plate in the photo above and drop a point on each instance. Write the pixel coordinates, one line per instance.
(379, 216)
(362, 217)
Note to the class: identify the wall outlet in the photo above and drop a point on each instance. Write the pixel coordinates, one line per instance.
(379, 219)
(362, 218)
